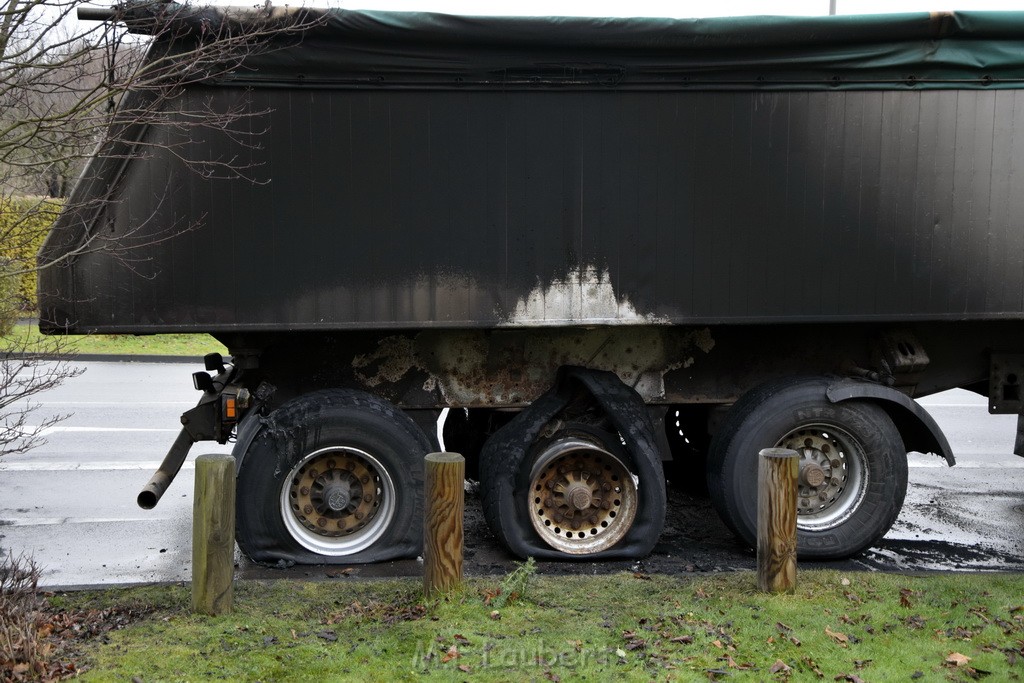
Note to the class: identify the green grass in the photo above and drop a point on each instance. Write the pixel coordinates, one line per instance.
(28, 337)
(872, 627)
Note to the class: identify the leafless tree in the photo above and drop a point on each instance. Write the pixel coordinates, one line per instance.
(70, 90)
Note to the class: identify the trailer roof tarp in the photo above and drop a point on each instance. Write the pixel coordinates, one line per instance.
(366, 49)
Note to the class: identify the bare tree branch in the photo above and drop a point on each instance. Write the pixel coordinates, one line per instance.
(74, 90)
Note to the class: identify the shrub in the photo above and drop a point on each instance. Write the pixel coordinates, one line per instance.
(24, 224)
(22, 650)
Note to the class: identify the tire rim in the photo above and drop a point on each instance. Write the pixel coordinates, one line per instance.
(582, 499)
(833, 475)
(337, 501)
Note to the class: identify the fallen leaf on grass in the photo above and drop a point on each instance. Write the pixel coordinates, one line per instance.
(905, 594)
(717, 643)
(461, 639)
(849, 678)
(329, 636)
(641, 576)
(813, 666)
(840, 638)
(780, 667)
(957, 659)
(464, 668)
(685, 640)
(453, 653)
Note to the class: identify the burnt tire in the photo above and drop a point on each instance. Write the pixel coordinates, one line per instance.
(332, 477)
(851, 450)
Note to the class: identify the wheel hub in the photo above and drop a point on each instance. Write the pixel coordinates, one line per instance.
(338, 496)
(583, 499)
(579, 496)
(812, 475)
(335, 494)
(831, 475)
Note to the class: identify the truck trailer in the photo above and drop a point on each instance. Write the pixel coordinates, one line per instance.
(605, 248)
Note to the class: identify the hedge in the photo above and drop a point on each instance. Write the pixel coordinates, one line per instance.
(24, 224)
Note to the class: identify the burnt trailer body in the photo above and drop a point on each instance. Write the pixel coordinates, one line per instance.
(612, 241)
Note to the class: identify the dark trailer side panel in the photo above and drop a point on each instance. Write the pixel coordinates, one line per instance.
(412, 171)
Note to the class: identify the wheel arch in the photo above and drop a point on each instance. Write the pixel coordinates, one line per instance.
(918, 429)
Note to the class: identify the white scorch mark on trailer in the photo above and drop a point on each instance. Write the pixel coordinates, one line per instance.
(583, 296)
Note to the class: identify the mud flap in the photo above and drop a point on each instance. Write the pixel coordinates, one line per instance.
(507, 479)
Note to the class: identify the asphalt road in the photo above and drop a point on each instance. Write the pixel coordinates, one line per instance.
(70, 503)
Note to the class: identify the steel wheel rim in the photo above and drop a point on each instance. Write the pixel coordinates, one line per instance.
(833, 475)
(582, 499)
(337, 501)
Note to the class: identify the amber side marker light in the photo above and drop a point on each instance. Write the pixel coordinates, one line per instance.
(230, 409)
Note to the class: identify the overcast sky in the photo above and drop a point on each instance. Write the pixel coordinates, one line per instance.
(679, 8)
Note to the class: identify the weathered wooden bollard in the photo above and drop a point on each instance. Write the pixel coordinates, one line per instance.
(213, 534)
(777, 473)
(444, 500)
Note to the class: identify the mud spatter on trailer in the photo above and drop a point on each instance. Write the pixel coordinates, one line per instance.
(584, 296)
(512, 367)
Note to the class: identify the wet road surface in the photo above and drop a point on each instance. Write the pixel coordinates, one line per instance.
(71, 503)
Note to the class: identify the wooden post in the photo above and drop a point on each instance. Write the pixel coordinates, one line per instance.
(777, 473)
(444, 500)
(213, 534)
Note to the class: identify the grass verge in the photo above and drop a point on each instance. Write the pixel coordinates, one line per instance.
(847, 627)
(27, 337)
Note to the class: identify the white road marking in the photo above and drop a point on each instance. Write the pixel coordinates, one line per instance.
(63, 428)
(117, 403)
(60, 521)
(64, 466)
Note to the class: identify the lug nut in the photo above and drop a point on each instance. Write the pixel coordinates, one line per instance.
(322, 522)
(367, 498)
(304, 490)
(836, 463)
(359, 515)
(308, 509)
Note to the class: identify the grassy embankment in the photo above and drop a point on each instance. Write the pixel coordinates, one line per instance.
(849, 627)
(198, 345)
